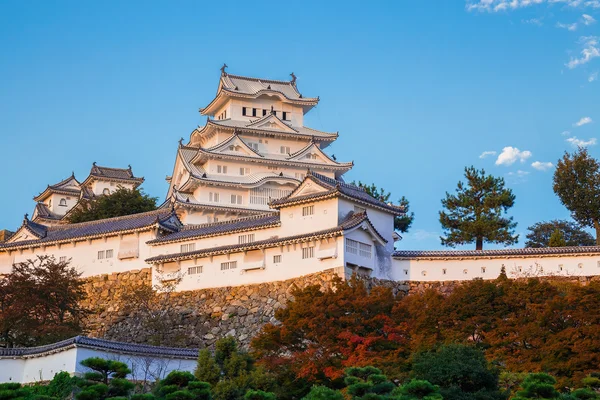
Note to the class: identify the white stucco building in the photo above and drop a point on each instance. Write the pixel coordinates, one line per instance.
(254, 197)
(40, 364)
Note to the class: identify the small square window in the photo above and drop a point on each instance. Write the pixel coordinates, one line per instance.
(444, 271)
(195, 270)
(109, 253)
(277, 259)
(63, 259)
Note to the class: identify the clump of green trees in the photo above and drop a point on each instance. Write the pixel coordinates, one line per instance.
(451, 372)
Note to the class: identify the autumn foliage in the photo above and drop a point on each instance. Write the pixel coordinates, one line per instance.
(522, 326)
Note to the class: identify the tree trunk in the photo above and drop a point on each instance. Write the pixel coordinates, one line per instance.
(597, 227)
(479, 243)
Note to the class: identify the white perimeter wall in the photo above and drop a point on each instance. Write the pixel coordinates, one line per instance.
(43, 368)
(489, 268)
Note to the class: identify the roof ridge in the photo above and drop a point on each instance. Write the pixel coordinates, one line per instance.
(111, 219)
(260, 79)
(231, 221)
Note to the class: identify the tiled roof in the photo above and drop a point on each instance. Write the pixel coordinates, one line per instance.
(42, 211)
(61, 187)
(274, 159)
(526, 252)
(68, 232)
(101, 344)
(64, 182)
(299, 130)
(188, 200)
(253, 86)
(123, 174)
(336, 187)
(350, 222)
(189, 232)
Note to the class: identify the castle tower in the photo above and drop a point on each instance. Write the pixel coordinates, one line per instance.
(253, 149)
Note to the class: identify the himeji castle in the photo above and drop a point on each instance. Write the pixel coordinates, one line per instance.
(254, 197)
(253, 149)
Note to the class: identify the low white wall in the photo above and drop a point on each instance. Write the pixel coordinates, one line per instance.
(454, 269)
(30, 369)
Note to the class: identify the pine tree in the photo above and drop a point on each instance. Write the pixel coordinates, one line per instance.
(475, 212)
(577, 184)
(557, 239)
(121, 202)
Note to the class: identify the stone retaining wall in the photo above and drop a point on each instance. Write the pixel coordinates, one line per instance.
(198, 318)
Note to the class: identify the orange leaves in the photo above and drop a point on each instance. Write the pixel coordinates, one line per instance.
(528, 325)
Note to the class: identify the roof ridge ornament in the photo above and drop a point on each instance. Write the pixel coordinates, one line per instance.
(26, 218)
(181, 142)
(223, 72)
(293, 81)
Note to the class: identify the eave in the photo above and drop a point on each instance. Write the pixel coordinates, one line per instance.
(203, 155)
(223, 94)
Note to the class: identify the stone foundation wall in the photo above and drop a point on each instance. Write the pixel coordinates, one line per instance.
(198, 318)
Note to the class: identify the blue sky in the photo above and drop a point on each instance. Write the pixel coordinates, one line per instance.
(417, 90)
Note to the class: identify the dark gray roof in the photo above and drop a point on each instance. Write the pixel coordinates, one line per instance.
(165, 218)
(219, 228)
(114, 173)
(353, 220)
(42, 211)
(336, 187)
(297, 130)
(102, 344)
(527, 252)
(252, 86)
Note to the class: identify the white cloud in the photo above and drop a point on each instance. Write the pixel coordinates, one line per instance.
(510, 155)
(565, 133)
(542, 166)
(590, 50)
(519, 173)
(422, 234)
(593, 77)
(533, 21)
(588, 19)
(517, 177)
(487, 153)
(583, 121)
(570, 27)
(508, 5)
(581, 143)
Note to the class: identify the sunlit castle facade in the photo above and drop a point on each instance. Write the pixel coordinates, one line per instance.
(254, 198)
(56, 202)
(253, 149)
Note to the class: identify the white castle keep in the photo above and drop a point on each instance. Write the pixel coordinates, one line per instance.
(255, 198)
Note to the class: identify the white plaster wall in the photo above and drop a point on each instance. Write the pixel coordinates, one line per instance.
(265, 102)
(215, 241)
(489, 268)
(43, 368)
(294, 223)
(357, 259)
(99, 186)
(257, 166)
(53, 203)
(292, 265)
(142, 368)
(11, 369)
(84, 255)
